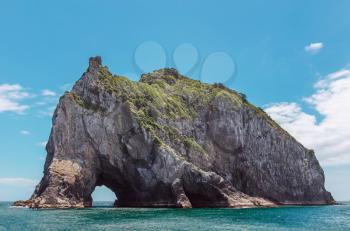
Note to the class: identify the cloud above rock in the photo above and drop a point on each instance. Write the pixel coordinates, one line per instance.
(10, 97)
(47, 92)
(314, 48)
(330, 135)
(18, 182)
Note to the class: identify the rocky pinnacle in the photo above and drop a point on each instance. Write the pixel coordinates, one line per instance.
(170, 141)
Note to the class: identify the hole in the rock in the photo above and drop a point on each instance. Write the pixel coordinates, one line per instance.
(198, 200)
(103, 197)
(205, 198)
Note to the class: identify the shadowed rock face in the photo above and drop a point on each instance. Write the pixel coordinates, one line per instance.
(169, 141)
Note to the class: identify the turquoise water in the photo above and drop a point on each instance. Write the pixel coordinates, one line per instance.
(105, 218)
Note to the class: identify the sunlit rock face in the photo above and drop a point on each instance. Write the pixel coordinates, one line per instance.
(169, 141)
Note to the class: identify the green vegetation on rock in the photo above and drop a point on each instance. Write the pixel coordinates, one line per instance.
(165, 95)
(191, 144)
(83, 103)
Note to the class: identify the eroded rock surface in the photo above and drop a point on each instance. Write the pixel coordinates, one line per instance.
(169, 141)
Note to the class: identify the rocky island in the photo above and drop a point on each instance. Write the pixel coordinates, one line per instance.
(170, 141)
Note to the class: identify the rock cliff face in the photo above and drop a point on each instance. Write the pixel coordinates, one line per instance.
(169, 141)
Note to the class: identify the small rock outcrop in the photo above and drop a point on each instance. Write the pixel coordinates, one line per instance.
(170, 141)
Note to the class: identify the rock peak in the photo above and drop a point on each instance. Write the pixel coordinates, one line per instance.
(170, 75)
(167, 71)
(94, 62)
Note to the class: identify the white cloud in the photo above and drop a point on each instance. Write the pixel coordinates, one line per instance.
(331, 136)
(25, 132)
(66, 87)
(47, 92)
(42, 144)
(10, 95)
(47, 111)
(314, 48)
(18, 182)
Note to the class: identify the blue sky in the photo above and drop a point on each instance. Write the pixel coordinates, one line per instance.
(290, 57)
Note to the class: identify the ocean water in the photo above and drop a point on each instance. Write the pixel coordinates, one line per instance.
(103, 217)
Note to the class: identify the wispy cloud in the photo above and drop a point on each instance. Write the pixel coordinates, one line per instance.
(42, 144)
(18, 182)
(47, 111)
(330, 136)
(66, 87)
(47, 92)
(25, 132)
(314, 48)
(10, 95)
